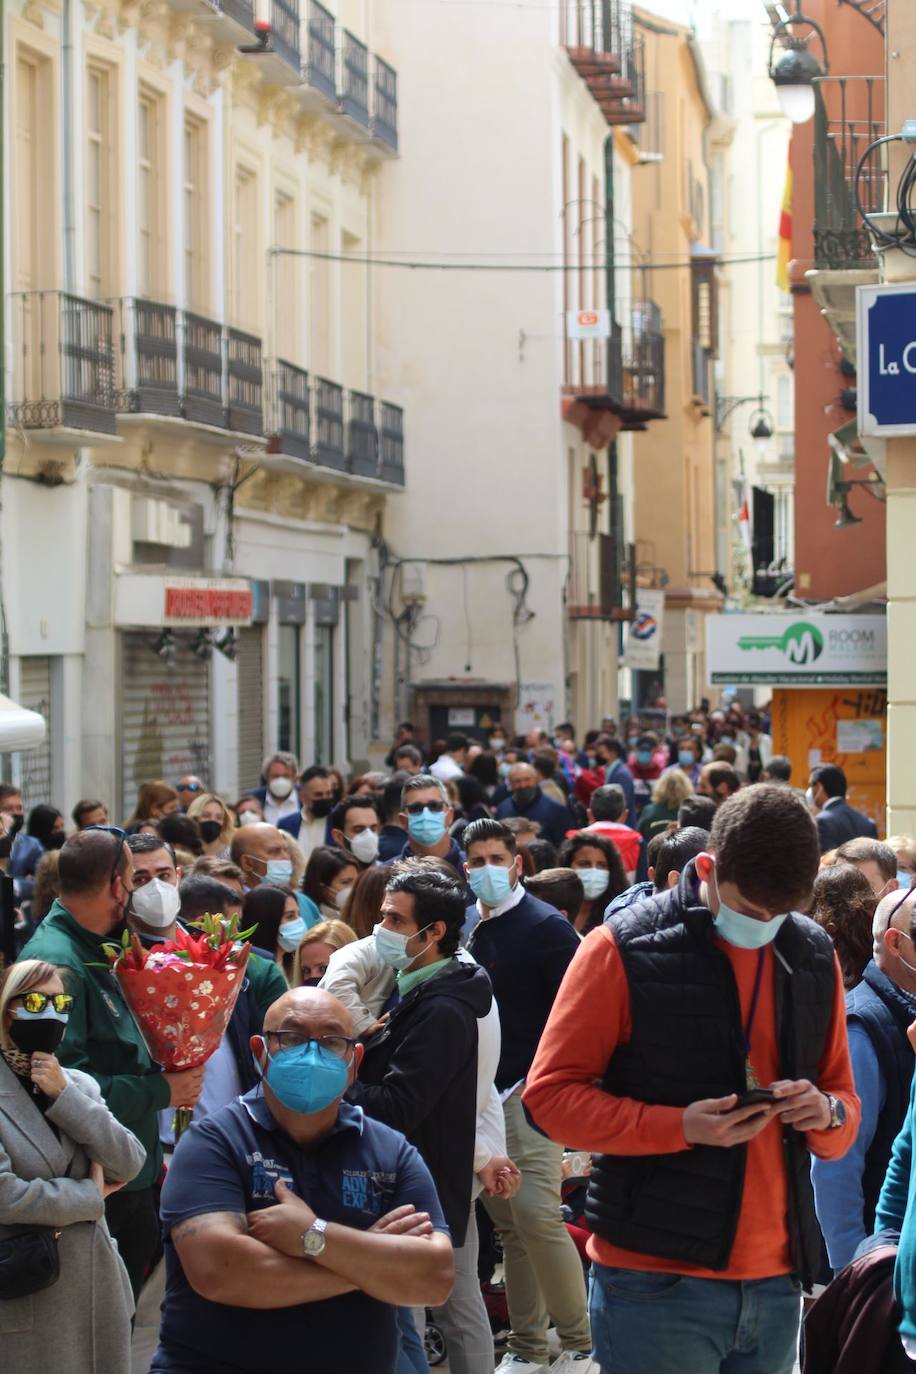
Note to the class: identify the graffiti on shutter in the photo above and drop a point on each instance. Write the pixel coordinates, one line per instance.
(250, 662)
(165, 726)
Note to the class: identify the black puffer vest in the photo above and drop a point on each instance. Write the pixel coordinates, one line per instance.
(884, 1012)
(687, 1044)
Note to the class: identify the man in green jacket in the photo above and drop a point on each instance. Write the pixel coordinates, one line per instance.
(102, 1038)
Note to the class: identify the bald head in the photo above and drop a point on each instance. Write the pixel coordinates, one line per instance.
(893, 929)
(309, 1009)
(253, 846)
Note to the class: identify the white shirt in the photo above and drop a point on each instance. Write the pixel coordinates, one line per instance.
(445, 768)
(312, 833)
(275, 810)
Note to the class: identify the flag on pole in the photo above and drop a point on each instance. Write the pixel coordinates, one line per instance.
(744, 519)
(784, 252)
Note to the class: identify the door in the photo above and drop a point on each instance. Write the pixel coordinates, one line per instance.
(35, 764)
(165, 714)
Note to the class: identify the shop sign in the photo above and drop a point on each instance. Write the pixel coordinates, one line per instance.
(208, 602)
(644, 633)
(886, 352)
(799, 650)
(588, 324)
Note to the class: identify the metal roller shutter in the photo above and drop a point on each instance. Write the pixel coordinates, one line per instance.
(250, 665)
(35, 694)
(165, 716)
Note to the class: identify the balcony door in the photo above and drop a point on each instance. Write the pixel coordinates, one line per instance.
(32, 213)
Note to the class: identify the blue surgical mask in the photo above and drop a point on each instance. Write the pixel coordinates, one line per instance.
(492, 883)
(594, 880)
(291, 934)
(686, 758)
(307, 1078)
(904, 881)
(278, 872)
(726, 739)
(745, 932)
(392, 947)
(427, 828)
(504, 770)
(644, 757)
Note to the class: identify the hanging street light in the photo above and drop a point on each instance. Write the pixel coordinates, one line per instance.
(797, 71)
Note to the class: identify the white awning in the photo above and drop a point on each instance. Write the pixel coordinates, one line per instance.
(19, 728)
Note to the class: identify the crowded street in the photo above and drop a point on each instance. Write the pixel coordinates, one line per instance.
(457, 855)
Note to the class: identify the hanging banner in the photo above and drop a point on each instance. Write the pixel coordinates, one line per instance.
(644, 635)
(798, 649)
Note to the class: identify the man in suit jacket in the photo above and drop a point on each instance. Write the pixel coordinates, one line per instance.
(836, 820)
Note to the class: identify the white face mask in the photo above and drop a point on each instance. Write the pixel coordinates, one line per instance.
(280, 788)
(156, 903)
(364, 846)
(249, 818)
(340, 901)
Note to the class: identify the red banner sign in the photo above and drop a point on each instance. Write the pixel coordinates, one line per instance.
(208, 603)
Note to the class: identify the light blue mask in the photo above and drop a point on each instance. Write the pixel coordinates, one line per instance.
(279, 873)
(904, 881)
(307, 1078)
(492, 883)
(428, 828)
(686, 758)
(745, 932)
(291, 934)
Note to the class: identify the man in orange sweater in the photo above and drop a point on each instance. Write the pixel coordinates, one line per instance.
(701, 1207)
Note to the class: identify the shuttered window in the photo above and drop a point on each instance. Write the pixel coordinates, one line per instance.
(165, 716)
(35, 695)
(250, 664)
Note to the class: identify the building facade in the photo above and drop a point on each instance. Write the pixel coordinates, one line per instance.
(198, 455)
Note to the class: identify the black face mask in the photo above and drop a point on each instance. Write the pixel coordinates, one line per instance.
(37, 1034)
(17, 825)
(524, 796)
(210, 831)
(322, 807)
(6, 846)
(56, 840)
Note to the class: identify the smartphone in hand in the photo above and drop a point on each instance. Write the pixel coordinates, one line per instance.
(763, 1096)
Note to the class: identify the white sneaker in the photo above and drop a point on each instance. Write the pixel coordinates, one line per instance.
(517, 1364)
(575, 1362)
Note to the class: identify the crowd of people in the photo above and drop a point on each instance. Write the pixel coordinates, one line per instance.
(626, 1014)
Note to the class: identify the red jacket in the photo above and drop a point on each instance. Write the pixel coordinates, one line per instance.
(628, 841)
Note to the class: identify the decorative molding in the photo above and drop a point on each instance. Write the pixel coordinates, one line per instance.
(33, 13)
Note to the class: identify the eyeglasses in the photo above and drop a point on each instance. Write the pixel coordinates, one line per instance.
(122, 840)
(417, 808)
(338, 1045)
(37, 1001)
(190, 787)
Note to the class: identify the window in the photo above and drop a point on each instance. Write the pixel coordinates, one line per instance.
(247, 273)
(288, 688)
(150, 195)
(100, 184)
(194, 206)
(324, 693)
(286, 277)
(320, 343)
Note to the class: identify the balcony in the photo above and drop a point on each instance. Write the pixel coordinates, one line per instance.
(593, 581)
(246, 400)
(625, 373)
(321, 68)
(147, 380)
(316, 421)
(849, 115)
(229, 21)
(282, 62)
(354, 79)
(384, 122)
(700, 375)
(62, 363)
(204, 398)
(610, 58)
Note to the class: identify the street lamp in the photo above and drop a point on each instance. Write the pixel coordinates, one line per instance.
(761, 429)
(796, 72)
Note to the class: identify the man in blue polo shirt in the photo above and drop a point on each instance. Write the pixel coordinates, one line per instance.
(293, 1222)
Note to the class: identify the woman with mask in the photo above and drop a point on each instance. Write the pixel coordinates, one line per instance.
(154, 800)
(216, 823)
(249, 811)
(46, 825)
(311, 959)
(329, 878)
(279, 926)
(598, 864)
(61, 1154)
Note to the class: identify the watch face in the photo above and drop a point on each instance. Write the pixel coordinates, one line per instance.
(313, 1242)
(840, 1111)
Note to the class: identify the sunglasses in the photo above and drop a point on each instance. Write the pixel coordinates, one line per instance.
(190, 787)
(37, 1001)
(417, 808)
(122, 840)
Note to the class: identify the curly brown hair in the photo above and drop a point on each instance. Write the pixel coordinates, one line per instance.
(844, 905)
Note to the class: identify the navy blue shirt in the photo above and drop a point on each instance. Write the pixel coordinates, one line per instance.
(231, 1162)
(553, 819)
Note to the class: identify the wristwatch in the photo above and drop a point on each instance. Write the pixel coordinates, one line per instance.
(837, 1112)
(314, 1239)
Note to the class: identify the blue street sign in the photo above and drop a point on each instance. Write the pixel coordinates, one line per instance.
(886, 358)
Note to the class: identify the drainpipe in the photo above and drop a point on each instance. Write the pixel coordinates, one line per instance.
(4, 638)
(67, 146)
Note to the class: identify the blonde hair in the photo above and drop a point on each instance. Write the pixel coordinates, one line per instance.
(333, 933)
(229, 822)
(297, 859)
(903, 844)
(20, 978)
(672, 789)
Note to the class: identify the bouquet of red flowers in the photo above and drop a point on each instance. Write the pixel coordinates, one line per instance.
(183, 992)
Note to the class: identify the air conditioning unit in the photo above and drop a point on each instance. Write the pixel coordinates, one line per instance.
(158, 522)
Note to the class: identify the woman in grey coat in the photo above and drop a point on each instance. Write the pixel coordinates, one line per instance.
(61, 1153)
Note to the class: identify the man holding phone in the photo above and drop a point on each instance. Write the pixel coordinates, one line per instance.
(698, 1047)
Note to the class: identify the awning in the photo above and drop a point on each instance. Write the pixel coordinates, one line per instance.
(19, 728)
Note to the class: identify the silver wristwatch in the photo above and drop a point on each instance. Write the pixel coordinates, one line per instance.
(314, 1239)
(837, 1112)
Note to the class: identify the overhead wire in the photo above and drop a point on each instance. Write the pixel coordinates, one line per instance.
(421, 265)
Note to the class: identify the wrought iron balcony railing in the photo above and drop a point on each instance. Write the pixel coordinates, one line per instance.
(317, 421)
(700, 369)
(321, 68)
(354, 78)
(384, 123)
(608, 54)
(147, 378)
(284, 34)
(637, 364)
(203, 391)
(246, 387)
(62, 363)
(593, 582)
(849, 115)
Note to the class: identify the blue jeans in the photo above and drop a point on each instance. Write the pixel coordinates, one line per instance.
(671, 1323)
(411, 1355)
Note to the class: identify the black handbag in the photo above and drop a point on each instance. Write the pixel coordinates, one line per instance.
(29, 1262)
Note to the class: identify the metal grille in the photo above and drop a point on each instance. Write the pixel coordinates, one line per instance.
(203, 370)
(354, 86)
(63, 362)
(329, 442)
(293, 410)
(250, 664)
(165, 715)
(285, 30)
(385, 106)
(245, 384)
(35, 764)
(322, 57)
(362, 439)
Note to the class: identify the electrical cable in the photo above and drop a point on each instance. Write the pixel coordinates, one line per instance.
(906, 210)
(416, 265)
